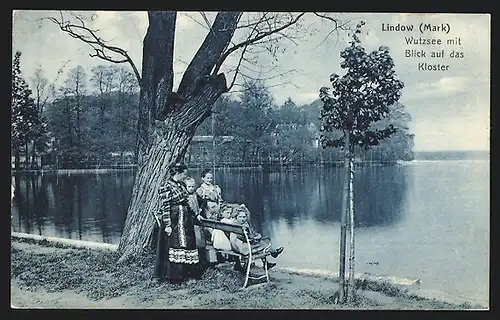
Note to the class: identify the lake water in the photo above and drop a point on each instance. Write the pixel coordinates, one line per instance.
(424, 219)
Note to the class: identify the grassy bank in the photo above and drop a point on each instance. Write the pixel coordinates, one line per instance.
(44, 275)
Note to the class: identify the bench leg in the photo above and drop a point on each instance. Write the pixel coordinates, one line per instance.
(265, 268)
(247, 273)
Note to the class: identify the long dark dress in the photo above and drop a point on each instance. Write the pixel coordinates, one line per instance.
(177, 255)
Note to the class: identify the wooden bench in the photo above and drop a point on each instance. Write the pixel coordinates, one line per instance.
(239, 230)
(252, 256)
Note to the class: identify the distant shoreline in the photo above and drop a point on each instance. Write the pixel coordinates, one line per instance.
(452, 155)
(254, 167)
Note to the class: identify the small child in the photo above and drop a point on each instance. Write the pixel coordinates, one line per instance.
(192, 198)
(194, 206)
(219, 238)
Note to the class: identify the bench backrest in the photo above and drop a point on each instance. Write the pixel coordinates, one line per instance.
(228, 227)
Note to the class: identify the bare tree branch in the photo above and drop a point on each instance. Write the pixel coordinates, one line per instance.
(288, 37)
(264, 18)
(210, 50)
(258, 37)
(205, 19)
(327, 17)
(336, 29)
(237, 68)
(196, 21)
(89, 36)
(242, 56)
(271, 77)
(100, 54)
(260, 71)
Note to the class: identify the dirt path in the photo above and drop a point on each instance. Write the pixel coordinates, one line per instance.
(48, 277)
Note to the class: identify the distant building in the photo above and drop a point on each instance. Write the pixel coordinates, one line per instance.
(315, 133)
(218, 139)
(201, 149)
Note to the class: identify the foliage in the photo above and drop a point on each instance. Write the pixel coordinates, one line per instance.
(88, 127)
(253, 136)
(25, 120)
(360, 97)
(263, 131)
(294, 134)
(41, 89)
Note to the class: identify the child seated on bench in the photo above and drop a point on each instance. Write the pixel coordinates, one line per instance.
(258, 243)
(220, 240)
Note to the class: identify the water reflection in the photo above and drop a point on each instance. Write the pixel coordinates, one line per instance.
(83, 203)
(317, 194)
(76, 206)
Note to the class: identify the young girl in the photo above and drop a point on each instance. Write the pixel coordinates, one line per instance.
(209, 194)
(219, 238)
(193, 203)
(195, 208)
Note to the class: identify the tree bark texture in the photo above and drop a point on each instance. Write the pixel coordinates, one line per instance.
(168, 120)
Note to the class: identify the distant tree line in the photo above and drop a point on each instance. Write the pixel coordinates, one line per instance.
(267, 133)
(90, 121)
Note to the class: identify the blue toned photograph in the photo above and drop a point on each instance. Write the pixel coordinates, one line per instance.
(250, 160)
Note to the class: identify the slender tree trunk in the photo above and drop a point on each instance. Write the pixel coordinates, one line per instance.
(244, 155)
(26, 156)
(78, 138)
(351, 281)
(213, 146)
(33, 152)
(17, 159)
(70, 137)
(100, 149)
(343, 224)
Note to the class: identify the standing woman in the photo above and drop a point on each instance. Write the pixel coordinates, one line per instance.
(177, 255)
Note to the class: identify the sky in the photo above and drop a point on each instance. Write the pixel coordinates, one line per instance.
(450, 109)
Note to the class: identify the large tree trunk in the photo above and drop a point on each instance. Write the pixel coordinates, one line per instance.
(144, 202)
(168, 146)
(168, 120)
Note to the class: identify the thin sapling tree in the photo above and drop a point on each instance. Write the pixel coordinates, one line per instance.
(358, 99)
